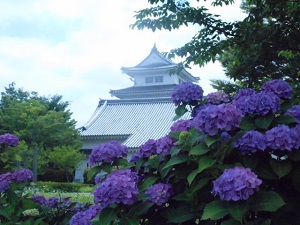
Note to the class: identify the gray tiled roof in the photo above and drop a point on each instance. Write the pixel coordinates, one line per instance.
(145, 91)
(140, 120)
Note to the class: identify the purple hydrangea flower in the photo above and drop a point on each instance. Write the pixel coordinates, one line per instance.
(295, 135)
(119, 187)
(182, 125)
(108, 152)
(246, 92)
(251, 142)
(294, 112)
(9, 140)
(40, 199)
(22, 175)
(100, 177)
(214, 118)
(236, 184)
(279, 87)
(224, 136)
(135, 157)
(148, 148)
(165, 144)
(85, 217)
(217, 97)
(266, 102)
(279, 138)
(5, 182)
(186, 93)
(258, 103)
(160, 193)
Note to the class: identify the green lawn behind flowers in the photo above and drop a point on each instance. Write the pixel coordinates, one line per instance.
(83, 194)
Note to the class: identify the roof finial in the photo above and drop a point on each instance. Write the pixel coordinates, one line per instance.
(154, 47)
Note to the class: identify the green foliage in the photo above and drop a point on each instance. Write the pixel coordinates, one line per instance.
(264, 45)
(64, 187)
(44, 124)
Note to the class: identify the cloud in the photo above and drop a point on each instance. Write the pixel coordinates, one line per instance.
(76, 48)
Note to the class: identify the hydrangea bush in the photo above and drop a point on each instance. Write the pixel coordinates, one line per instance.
(235, 161)
(16, 204)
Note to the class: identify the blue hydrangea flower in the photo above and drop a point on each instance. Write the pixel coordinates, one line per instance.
(266, 102)
(186, 93)
(251, 142)
(214, 118)
(260, 103)
(9, 140)
(245, 92)
(295, 135)
(40, 199)
(148, 148)
(108, 152)
(85, 217)
(22, 175)
(182, 125)
(119, 187)
(165, 144)
(279, 87)
(5, 182)
(160, 193)
(236, 184)
(217, 97)
(294, 112)
(279, 138)
(225, 136)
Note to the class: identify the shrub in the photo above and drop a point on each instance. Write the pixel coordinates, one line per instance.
(237, 163)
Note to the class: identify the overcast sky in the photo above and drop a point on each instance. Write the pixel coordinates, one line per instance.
(76, 48)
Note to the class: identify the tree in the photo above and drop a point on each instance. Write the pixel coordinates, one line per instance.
(65, 158)
(262, 46)
(43, 123)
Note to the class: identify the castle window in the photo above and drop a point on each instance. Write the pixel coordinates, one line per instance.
(159, 79)
(149, 80)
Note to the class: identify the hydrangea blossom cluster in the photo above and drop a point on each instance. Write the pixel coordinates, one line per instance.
(52, 202)
(280, 138)
(214, 118)
(243, 93)
(108, 152)
(5, 182)
(279, 87)
(85, 217)
(165, 144)
(225, 136)
(22, 175)
(217, 97)
(9, 140)
(182, 125)
(261, 103)
(119, 187)
(186, 92)
(295, 135)
(294, 112)
(251, 142)
(148, 148)
(160, 193)
(236, 184)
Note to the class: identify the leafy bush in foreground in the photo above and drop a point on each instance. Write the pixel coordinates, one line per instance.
(235, 162)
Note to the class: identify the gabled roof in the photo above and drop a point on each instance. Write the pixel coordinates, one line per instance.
(137, 119)
(154, 62)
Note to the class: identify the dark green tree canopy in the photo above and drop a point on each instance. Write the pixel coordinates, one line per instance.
(264, 45)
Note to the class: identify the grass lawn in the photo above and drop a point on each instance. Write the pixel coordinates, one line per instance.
(76, 197)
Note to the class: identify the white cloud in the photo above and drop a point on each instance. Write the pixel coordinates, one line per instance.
(76, 48)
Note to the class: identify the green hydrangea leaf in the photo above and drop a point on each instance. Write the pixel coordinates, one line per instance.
(214, 210)
(267, 201)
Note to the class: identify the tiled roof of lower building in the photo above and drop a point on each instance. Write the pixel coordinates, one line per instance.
(139, 120)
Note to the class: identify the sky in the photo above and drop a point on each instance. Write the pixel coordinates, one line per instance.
(76, 48)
